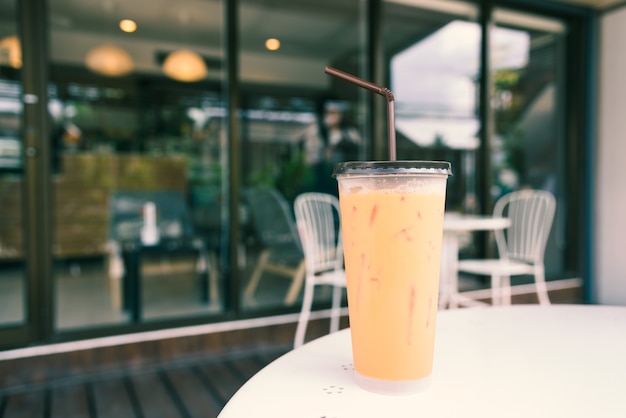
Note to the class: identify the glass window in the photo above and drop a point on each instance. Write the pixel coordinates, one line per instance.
(434, 66)
(141, 182)
(433, 48)
(139, 150)
(12, 262)
(296, 122)
(528, 146)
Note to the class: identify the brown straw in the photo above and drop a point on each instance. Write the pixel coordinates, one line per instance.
(383, 91)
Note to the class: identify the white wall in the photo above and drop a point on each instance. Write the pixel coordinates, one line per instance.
(610, 190)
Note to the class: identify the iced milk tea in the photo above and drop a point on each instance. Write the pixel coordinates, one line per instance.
(392, 233)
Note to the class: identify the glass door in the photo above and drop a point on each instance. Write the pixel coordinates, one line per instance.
(529, 145)
(433, 53)
(296, 122)
(14, 308)
(12, 273)
(139, 162)
(435, 75)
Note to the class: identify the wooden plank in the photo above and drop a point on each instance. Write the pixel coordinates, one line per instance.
(196, 389)
(268, 356)
(69, 402)
(244, 368)
(112, 400)
(192, 397)
(153, 397)
(223, 380)
(26, 405)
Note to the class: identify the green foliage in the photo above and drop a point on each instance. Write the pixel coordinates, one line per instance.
(264, 177)
(296, 177)
(506, 79)
(291, 179)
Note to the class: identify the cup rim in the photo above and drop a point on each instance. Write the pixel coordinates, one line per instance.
(351, 168)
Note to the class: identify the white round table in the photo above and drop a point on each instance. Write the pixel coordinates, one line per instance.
(514, 361)
(453, 226)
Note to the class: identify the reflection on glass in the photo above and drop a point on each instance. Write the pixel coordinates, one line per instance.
(126, 139)
(434, 66)
(12, 272)
(528, 146)
(525, 103)
(296, 123)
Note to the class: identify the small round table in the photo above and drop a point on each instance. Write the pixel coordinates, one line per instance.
(454, 225)
(512, 361)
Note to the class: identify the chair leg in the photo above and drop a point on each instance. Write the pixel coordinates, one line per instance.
(505, 290)
(256, 275)
(296, 284)
(335, 309)
(540, 285)
(453, 303)
(305, 313)
(495, 290)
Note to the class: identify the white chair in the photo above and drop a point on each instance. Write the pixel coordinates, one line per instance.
(318, 223)
(521, 247)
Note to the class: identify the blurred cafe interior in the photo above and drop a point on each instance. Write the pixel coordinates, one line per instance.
(117, 115)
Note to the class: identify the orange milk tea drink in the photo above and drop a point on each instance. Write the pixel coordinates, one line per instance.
(392, 226)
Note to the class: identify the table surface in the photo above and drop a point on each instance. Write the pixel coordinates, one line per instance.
(514, 361)
(453, 222)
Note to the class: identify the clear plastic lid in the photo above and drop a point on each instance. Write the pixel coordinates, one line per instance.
(368, 168)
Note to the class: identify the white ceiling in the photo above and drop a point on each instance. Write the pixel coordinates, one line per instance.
(595, 4)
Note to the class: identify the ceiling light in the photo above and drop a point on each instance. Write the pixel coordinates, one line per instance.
(128, 25)
(185, 65)
(109, 60)
(272, 44)
(11, 51)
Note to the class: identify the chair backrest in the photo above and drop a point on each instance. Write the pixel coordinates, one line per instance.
(531, 213)
(318, 222)
(127, 218)
(271, 216)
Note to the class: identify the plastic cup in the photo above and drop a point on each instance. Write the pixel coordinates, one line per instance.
(392, 225)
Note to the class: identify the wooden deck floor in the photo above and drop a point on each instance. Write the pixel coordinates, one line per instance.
(186, 390)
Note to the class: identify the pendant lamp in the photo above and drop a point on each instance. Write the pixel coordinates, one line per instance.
(11, 51)
(109, 60)
(185, 65)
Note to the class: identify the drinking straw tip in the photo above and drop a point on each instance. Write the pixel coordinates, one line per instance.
(383, 91)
